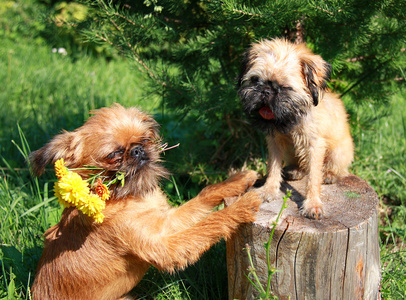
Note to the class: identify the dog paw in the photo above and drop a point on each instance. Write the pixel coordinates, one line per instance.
(330, 178)
(312, 209)
(293, 172)
(244, 179)
(234, 186)
(269, 195)
(247, 206)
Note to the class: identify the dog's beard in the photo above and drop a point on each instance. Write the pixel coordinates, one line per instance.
(136, 176)
(283, 110)
(139, 180)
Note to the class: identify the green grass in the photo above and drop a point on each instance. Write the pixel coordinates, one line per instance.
(381, 149)
(46, 92)
(380, 160)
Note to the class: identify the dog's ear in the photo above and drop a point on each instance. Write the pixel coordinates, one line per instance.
(245, 66)
(61, 146)
(316, 73)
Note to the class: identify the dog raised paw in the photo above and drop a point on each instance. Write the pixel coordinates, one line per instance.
(243, 180)
(247, 206)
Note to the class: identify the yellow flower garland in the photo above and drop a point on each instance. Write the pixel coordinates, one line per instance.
(72, 191)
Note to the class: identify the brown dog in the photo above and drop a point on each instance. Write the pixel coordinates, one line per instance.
(87, 260)
(282, 88)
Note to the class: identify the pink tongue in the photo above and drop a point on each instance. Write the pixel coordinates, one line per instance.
(266, 113)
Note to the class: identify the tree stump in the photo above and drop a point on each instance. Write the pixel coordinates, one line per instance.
(333, 258)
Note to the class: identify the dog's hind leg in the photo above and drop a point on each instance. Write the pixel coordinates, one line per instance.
(337, 161)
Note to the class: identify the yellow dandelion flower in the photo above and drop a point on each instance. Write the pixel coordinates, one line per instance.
(91, 205)
(98, 218)
(102, 190)
(57, 192)
(71, 188)
(60, 169)
(72, 191)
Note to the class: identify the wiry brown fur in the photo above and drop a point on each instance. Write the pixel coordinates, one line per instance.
(86, 260)
(309, 131)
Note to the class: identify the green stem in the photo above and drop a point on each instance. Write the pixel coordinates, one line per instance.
(253, 272)
(268, 244)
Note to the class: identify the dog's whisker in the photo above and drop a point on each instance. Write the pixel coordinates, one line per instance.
(164, 147)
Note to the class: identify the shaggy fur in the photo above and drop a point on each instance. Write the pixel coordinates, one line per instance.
(283, 90)
(86, 260)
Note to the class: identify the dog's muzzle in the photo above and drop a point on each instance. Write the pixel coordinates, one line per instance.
(139, 154)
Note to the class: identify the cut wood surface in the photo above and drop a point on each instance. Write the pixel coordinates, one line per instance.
(336, 257)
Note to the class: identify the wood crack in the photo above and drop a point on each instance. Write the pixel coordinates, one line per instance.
(295, 264)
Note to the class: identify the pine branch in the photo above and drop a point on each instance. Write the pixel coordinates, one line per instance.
(326, 11)
(130, 47)
(127, 19)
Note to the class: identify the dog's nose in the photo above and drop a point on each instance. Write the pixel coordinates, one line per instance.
(138, 153)
(266, 92)
(270, 89)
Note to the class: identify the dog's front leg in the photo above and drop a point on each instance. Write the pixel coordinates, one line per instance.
(312, 206)
(271, 189)
(214, 194)
(199, 207)
(179, 249)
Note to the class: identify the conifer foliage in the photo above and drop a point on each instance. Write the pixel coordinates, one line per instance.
(191, 51)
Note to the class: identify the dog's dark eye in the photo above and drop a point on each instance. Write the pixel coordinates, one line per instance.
(287, 88)
(115, 155)
(254, 79)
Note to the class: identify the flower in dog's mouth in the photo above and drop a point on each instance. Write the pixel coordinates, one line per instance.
(72, 191)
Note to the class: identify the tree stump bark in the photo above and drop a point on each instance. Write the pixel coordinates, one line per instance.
(333, 258)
